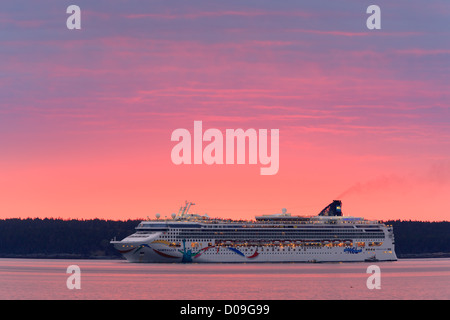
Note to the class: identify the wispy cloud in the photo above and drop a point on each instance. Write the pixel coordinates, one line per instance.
(225, 13)
(423, 52)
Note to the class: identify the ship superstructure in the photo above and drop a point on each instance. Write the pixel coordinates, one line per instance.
(327, 237)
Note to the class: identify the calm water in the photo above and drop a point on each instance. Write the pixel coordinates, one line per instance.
(117, 279)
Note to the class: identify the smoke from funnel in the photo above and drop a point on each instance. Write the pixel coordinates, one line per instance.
(377, 184)
(436, 177)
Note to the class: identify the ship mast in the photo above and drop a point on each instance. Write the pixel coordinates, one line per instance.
(184, 210)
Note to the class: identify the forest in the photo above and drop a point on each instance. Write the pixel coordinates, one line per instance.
(421, 239)
(87, 239)
(53, 238)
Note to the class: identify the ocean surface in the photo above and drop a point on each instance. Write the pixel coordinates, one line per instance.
(42, 279)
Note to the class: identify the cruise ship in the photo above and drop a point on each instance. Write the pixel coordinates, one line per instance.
(328, 237)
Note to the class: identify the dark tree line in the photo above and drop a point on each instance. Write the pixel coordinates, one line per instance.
(90, 238)
(53, 237)
(419, 237)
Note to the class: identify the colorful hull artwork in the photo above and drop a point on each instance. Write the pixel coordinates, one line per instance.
(187, 255)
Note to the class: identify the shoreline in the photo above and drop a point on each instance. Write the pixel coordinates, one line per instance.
(424, 255)
(59, 256)
(94, 257)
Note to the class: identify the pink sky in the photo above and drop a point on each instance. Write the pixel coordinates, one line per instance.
(86, 115)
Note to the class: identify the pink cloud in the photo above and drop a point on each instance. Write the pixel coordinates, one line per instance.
(422, 52)
(202, 14)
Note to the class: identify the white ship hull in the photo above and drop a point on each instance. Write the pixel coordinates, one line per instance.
(160, 252)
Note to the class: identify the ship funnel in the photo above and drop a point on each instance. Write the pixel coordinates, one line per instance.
(333, 209)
